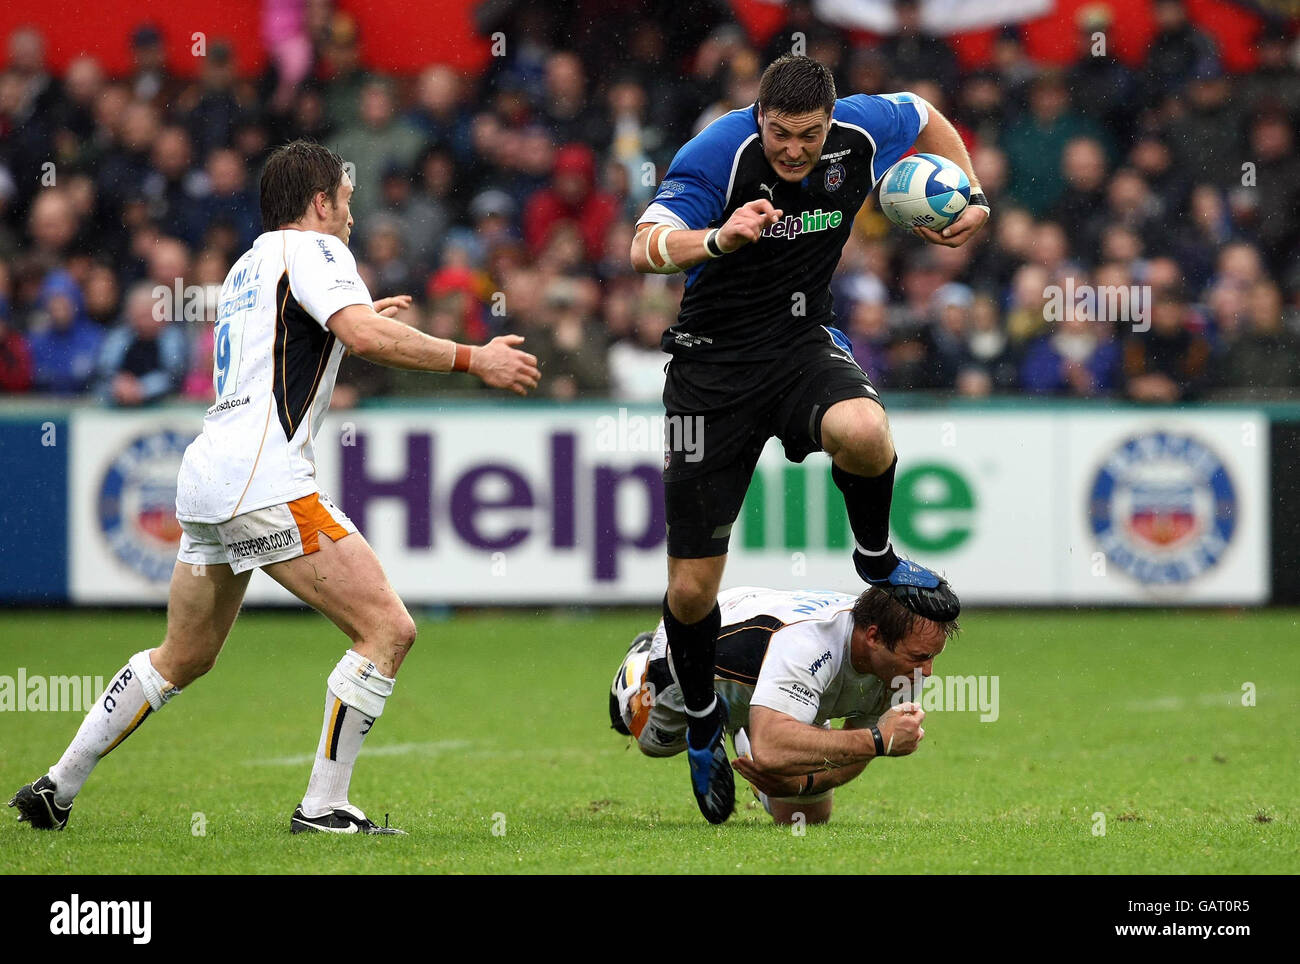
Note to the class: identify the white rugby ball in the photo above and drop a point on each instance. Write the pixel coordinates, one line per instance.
(924, 190)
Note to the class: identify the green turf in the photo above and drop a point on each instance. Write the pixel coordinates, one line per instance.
(1135, 715)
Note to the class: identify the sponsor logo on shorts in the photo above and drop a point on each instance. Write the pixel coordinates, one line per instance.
(1163, 508)
(261, 545)
(136, 503)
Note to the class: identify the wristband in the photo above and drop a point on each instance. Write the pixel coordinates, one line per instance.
(808, 785)
(978, 200)
(461, 362)
(711, 247)
(879, 740)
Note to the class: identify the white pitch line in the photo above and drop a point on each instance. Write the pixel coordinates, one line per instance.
(1174, 703)
(392, 749)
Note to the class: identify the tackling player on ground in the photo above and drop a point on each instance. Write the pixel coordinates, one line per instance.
(247, 495)
(756, 210)
(788, 663)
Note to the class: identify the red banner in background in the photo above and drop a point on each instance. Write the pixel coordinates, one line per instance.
(404, 36)
(401, 36)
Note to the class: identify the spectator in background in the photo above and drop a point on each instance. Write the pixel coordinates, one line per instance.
(125, 167)
(566, 341)
(868, 330)
(1264, 360)
(212, 105)
(564, 111)
(52, 225)
(948, 335)
(1153, 158)
(229, 203)
(339, 67)
(15, 356)
(1176, 52)
(1078, 357)
(1274, 84)
(636, 364)
(571, 198)
(1201, 234)
(1079, 210)
(992, 362)
(440, 114)
(915, 52)
(379, 140)
(172, 186)
(144, 358)
(102, 294)
(1035, 144)
(1277, 187)
(150, 81)
(1169, 363)
(64, 343)
(1107, 88)
(1211, 128)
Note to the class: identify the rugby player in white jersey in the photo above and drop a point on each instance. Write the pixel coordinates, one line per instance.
(247, 495)
(788, 663)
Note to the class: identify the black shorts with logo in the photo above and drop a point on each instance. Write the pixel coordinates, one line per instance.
(720, 416)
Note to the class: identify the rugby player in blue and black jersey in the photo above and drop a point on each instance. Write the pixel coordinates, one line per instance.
(756, 210)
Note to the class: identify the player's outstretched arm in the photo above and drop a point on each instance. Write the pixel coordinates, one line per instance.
(381, 339)
(940, 137)
(784, 746)
(664, 249)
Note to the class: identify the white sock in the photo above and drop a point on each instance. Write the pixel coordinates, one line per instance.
(137, 690)
(354, 699)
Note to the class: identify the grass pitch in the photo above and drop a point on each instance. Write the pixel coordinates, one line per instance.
(499, 723)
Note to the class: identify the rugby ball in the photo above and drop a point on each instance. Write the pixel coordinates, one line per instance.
(924, 190)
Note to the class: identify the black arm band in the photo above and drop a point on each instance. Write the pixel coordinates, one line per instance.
(978, 200)
(808, 785)
(879, 740)
(711, 244)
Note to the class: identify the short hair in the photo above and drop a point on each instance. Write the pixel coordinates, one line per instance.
(794, 84)
(894, 621)
(294, 174)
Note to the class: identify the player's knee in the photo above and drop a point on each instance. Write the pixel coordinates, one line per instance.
(184, 670)
(863, 445)
(692, 593)
(404, 632)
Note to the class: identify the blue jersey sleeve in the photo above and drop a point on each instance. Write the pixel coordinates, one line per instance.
(694, 191)
(893, 121)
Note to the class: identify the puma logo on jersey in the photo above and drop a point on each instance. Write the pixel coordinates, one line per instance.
(771, 192)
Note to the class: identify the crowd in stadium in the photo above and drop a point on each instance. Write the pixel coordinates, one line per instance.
(507, 202)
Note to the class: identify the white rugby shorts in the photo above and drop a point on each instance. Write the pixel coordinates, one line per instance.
(264, 536)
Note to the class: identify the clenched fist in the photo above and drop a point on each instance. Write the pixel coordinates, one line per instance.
(900, 728)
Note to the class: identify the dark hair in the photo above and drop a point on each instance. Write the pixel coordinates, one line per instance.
(893, 620)
(294, 174)
(796, 85)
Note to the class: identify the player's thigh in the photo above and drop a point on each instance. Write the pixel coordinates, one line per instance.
(345, 581)
(202, 604)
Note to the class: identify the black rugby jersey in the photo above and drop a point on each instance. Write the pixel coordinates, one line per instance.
(754, 303)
